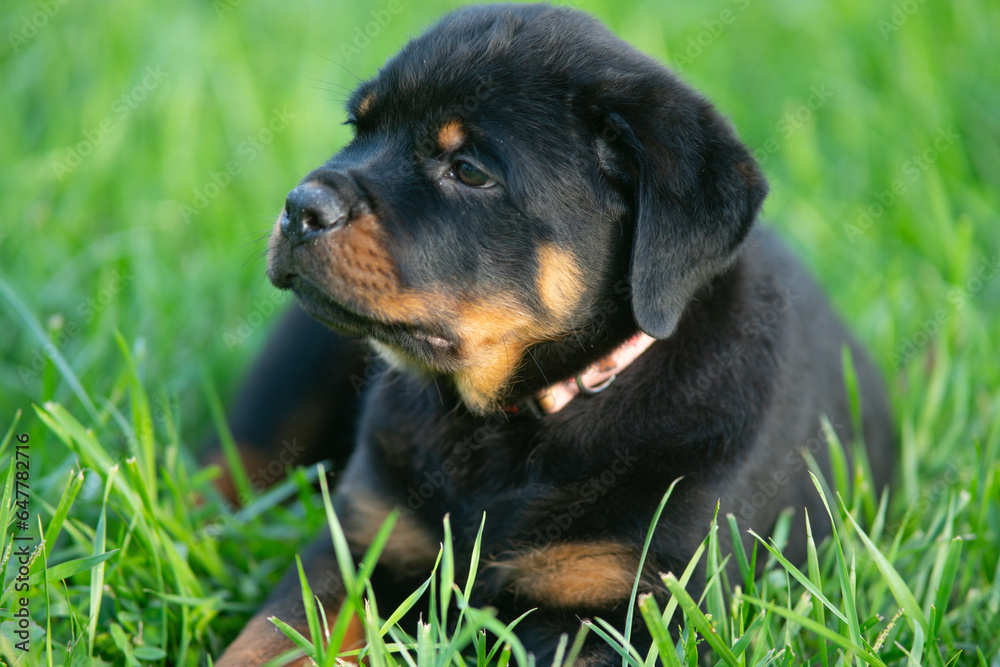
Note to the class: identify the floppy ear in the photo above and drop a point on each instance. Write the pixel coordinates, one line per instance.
(696, 193)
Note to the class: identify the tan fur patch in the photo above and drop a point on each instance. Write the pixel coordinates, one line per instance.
(260, 640)
(492, 334)
(252, 460)
(559, 282)
(573, 575)
(355, 636)
(450, 136)
(366, 103)
(411, 548)
(359, 266)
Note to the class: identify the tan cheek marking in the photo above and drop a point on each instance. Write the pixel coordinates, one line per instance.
(493, 333)
(366, 103)
(572, 575)
(450, 136)
(411, 548)
(559, 281)
(358, 265)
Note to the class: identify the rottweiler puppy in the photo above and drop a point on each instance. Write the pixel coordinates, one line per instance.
(549, 239)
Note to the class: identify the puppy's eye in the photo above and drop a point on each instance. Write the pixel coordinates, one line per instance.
(471, 175)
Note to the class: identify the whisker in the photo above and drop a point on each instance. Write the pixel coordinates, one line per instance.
(343, 67)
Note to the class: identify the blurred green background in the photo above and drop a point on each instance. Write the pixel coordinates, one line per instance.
(146, 149)
(115, 117)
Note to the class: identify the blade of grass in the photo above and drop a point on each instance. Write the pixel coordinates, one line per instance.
(318, 653)
(303, 644)
(615, 640)
(57, 358)
(844, 572)
(577, 646)
(500, 642)
(236, 469)
(5, 441)
(749, 634)
(817, 580)
(904, 597)
(447, 578)
(813, 589)
(143, 434)
(700, 622)
(713, 597)
(668, 612)
(661, 636)
(642, 561)
(340, 546)
(406, 606)
(741, 555)
(97, 572)
(943, 593)
(48, 603)
(833, 637)
(62, 509)
(67, 569)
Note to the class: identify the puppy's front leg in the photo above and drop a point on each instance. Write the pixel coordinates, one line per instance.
(261, 640)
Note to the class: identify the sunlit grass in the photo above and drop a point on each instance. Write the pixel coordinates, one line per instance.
(878, 130)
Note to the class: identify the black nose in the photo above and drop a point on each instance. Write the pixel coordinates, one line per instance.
(311, 210)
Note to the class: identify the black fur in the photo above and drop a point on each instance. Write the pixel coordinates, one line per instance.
(605, 160)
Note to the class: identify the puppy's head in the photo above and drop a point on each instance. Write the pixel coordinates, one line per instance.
(515, 173)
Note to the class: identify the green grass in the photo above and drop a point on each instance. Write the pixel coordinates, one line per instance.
(148, 237)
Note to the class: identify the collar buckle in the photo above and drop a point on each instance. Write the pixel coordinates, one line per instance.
(592, 391)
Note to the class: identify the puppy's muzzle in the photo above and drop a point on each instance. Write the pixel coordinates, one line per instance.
(311, 210)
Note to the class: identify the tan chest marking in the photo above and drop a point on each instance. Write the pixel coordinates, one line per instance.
(584, 575)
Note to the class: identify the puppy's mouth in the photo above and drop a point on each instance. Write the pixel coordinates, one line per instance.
(431, 345)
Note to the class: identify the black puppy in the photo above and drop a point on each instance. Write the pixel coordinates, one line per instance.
(549, 237)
